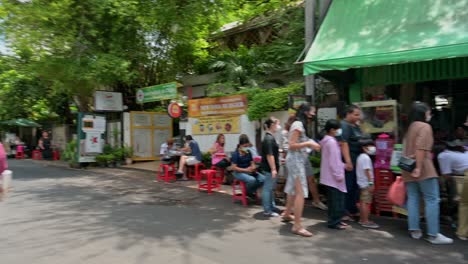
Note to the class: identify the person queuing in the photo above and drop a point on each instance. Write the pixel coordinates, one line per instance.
(350, 149)
(365, 180)
(270, 166)
(332, 175)
(194, 158)
(244, 168)
(418, 143)
(297, 164)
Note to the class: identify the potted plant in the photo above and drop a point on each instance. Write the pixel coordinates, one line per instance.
(128, 154)
(118, 155)
(70, 154)
(110, 160)
(101, 160)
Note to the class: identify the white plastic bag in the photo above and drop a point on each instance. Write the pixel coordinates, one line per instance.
(5, 180)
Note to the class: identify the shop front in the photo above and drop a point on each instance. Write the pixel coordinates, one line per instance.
(385, 55)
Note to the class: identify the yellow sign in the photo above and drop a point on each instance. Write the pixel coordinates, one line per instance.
(226, 105)
(216, 125)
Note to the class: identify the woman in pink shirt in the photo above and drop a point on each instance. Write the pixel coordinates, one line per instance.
(218, 156)
(332, 175)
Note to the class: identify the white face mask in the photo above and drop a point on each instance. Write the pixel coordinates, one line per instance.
(339, 132)
(278, 128)
(371, 150)
(428, 118)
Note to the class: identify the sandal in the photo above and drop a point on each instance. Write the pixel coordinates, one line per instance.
(288, 218)
(302, 232)
(344, 224)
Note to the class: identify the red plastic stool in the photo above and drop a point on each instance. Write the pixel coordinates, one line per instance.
(19, 152)
(56, 155)
(166, 172)
(193, 171)
(239, 196)
(36, 155)
(211, 183)
(219, 174)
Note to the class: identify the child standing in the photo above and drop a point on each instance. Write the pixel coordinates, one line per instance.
(332, 175)
(365, 180)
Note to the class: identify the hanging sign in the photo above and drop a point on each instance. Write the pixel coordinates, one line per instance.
(108, 101)
(157, 93)
(174, 110)
(226, 105)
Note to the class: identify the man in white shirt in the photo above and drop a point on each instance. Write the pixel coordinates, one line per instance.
(453, 161)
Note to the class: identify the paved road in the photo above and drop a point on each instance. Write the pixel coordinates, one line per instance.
(58, 215)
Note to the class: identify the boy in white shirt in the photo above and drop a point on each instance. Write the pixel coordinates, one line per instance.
(365, 180)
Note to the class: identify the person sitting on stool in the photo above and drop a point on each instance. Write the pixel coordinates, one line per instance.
(195, 158)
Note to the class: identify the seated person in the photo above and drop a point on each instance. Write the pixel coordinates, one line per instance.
(165, 150)
(453, 161)
(252, 149)
(218, 156)
(195, 157)
(244, 168)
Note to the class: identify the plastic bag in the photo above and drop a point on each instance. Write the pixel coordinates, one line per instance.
(397, 192)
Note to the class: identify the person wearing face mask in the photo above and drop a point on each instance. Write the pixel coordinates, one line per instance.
(270, 166)
(423, 180)
(298, 167)
(332, 175)
(365, 180)
(244, 168)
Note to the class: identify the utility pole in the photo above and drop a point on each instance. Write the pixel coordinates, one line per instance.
(309, 37)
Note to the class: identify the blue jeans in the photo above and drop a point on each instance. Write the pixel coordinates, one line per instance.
(268, 193)
(251, 183)
(430, 192)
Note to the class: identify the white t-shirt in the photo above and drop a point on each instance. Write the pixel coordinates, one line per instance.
(453, 162)
(364, 163)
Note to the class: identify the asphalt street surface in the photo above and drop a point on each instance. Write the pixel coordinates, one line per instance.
(61, 215)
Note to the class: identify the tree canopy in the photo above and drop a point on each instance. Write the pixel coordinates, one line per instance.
(64, 50)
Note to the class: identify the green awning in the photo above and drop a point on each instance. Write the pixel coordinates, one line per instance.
(20, 122)
(365, 33)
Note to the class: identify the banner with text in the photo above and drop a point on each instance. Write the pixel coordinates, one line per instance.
(157, 93)
(216, 125)
(226, 105)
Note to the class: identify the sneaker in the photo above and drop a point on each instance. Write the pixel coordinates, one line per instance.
(416, 234)
(439, 240)
(369, 225)
(320, 206)
(464, 238)
(272, 214)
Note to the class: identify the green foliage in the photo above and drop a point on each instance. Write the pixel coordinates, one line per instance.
(71, 154)
(206, 159)
(266, 101)
(241, 68)
(127, 152)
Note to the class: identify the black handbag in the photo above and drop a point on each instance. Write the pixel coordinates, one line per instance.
(407, 164)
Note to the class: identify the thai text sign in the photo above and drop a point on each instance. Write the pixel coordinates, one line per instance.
(157, 93)
(226, 105)
(216, 125)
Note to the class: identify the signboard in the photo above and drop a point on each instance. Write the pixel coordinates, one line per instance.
(91, 133)
(157, 93)
(174, 110)
(216, 125)
(108, 101)
(296, 100)
(226, 105)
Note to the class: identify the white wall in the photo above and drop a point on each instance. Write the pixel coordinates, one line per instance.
(282, 116)
(206, 141)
